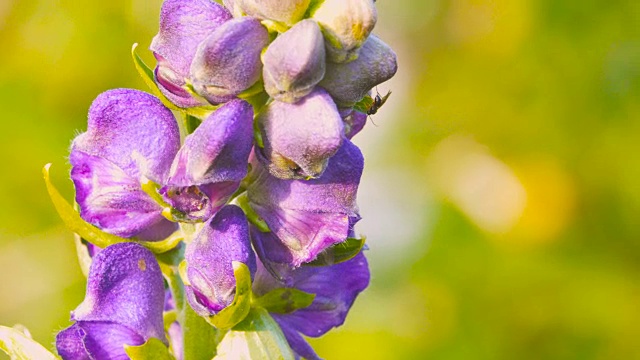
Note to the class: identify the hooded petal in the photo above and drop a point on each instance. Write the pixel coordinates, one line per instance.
(184, 24)
(284, 11)
(228, 62)
(96, 340)
(346, 24)
(300, 138)
(306, 217)
(348, 83)
(354, 123)
(210, 256)
(125, 287)
(113, 201)
(133, 130)
(295, 62)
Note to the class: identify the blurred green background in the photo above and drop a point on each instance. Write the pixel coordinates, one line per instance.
(501, 197)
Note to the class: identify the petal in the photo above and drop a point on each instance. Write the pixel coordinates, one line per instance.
(354, 123)
(295, 62)
(96, 340)
(300, 138)
(348, 83)
(184, 24)
(113, 201)
(210, 256)
(125, 287)
(346, 24)
(228, 62)
(218, 149)
(285, 11)
(297, 343)
(133, 130)
(308, 216)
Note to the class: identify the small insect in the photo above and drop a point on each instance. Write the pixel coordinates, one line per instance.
(377, 103)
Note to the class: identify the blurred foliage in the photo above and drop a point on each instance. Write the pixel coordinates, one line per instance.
(500, 198)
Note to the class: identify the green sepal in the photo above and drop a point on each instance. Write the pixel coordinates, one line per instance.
(243, 202)
(258, 336)
(284, 300)
(92, 234)
(153, 349)
(338, 253)
(364, 105)
(20, 346)
(275, 26)
(239, 308)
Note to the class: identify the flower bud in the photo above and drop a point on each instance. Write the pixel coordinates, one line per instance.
(295, 62)
(184, 24)
(228, 62)
(346, 24)
(300, 138)
(210, 276)
(349, 83)
(285, 11)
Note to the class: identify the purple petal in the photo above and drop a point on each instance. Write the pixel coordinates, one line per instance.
(295, 62)
(133, 130)
(350, 82)
(177, 341)
(125, 287)
(96, 340)
(113, 201)
(228, 62)
(300, 138)
(284, 11)
(184, 24)
(354, 123)
(210, 256)
(306, 217)
(297, 343)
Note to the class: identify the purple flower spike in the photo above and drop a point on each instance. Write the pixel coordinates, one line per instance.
(348, 83)
(212, 162)
(336, 288)
(306, 217)
(354, 123)
(346, 24)
(284, 11)
(184, 24)
(228, 61)
(130, 134)
(300, 138)
(123, 306)
(295, 62)
(210, 256)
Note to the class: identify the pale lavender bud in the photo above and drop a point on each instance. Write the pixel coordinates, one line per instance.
(284, 11)
(295, 62)
(228, 62)
(346, 24)
(349, 83)
(300, 138)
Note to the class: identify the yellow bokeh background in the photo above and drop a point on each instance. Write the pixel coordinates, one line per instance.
(501, 194)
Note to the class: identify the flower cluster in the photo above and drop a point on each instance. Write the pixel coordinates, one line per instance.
(240, 171)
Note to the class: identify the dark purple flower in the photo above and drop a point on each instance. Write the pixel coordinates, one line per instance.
(228, 62)
(350, 82)
(300, 138)
(184, 24)
(295, 62)
(306, 217)
(210, 274)
(335, 287)
(123, 306)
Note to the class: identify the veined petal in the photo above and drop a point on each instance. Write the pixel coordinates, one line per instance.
(210, 256)
(113, 201)
(306, 217)
(300, 138)
(96, 340)
(133, 130)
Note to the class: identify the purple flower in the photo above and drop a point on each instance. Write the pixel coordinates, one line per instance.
(346, 24)
(228, 62)
(335, 287)
(295, 62)
(354, 122)
(210, 256)
(300, 138)
(130, 136)
(284, 11)
(350, 82)
(184, 24)
(123, 306)
(306, 217)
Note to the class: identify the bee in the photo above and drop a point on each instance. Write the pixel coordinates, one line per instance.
(377, 103)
